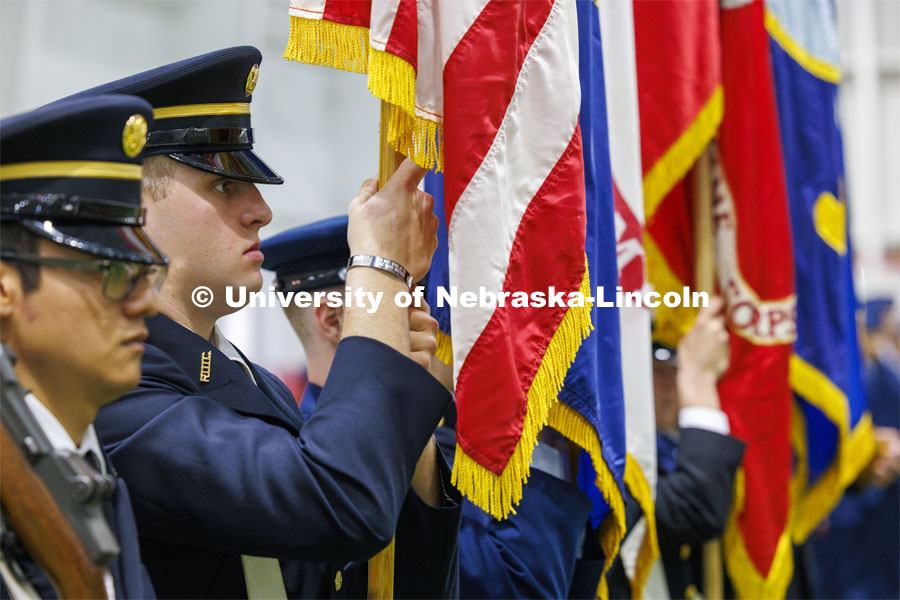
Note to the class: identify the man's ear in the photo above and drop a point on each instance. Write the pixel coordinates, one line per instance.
(329, 321)
(10, 289)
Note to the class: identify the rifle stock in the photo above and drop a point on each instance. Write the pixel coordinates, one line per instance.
(33, 514)
(52, 499)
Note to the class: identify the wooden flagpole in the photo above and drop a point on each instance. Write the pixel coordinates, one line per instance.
(381, 566)
(704, 280)
(704, 252)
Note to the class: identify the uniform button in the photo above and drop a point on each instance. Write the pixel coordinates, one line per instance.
(338, 581)
(685, 552)
(691, 592)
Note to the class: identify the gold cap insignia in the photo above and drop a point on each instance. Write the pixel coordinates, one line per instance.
(252, 78)
(134, 136)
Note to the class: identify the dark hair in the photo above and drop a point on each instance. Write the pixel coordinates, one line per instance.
(15, 238)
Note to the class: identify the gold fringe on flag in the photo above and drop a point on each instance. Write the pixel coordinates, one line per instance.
(637, 484)
(328, 44)
(674, 164)
(854, 451)
(496, 494)
(579, 430)
(748, 582)
(392, 79)
(420, 139)
(444, 352)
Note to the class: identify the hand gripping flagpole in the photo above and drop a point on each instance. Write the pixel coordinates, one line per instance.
(381, 566)
(704, 280)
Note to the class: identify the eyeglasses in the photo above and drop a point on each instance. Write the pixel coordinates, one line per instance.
(120, 277)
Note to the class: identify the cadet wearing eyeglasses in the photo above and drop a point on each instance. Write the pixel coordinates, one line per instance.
(77, 279)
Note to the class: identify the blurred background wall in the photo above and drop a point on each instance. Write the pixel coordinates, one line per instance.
(319, 127)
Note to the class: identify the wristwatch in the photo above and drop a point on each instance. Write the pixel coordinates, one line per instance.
(385, 264)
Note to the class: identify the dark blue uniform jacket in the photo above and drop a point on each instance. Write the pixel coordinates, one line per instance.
(219, 467)
(532, 553)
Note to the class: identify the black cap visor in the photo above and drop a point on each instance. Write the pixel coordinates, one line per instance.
(243, 165)
(119, 242)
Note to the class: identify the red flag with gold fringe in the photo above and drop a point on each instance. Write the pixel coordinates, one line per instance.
(755, 266)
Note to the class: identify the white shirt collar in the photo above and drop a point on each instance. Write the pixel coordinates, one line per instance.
(57, 434)
(228, 349)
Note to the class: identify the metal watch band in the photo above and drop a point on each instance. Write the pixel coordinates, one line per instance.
(385, 264)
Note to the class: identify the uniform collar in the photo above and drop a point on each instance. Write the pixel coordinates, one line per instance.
(309, 400)
(228, 349)
(59, 437)
(214, 374)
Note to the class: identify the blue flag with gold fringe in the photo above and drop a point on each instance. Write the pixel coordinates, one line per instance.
(592, 390)
(832, 432)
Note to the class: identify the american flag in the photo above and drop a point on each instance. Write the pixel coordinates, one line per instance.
(488, 92)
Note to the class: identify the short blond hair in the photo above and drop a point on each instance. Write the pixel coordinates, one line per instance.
(156, 179)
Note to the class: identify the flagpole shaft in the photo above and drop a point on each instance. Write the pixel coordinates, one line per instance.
(388, 158)
(381, 566)
(704, 280)
(704, 253)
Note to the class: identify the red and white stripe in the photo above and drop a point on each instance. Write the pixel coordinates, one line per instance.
(393, 28)
(441, 26)
(514, 195)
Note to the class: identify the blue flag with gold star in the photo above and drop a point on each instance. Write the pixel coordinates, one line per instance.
(832, 430)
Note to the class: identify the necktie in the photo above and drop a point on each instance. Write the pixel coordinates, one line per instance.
(262, 577)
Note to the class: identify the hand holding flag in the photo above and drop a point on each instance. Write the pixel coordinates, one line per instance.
(703, 355)
(396, 222)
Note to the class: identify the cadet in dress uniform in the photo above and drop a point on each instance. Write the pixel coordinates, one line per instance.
(235, 495)
(535, 553)
(79, 277)
(697, 456)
